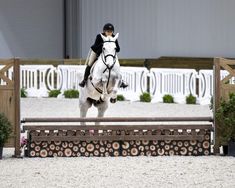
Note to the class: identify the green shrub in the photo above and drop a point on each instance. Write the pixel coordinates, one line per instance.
(54, 93)
(23, 93)
(227, 82)
(168, 99)
(120, 98)
(145, 97)
(225, 116)
(211, 106)
(71, 93)
(190, 99)
(5, 129)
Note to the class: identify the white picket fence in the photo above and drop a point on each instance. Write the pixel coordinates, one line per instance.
(136, 77)
(177, 82)
(38, 80)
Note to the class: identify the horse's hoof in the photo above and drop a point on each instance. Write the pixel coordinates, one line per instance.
(113, 100)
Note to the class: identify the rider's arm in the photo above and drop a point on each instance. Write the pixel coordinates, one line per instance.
(118, 47)
(97, 46)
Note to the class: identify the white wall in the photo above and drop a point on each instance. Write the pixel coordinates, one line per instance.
(31, 28)
(153, 28)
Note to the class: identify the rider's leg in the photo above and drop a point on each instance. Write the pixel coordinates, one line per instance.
(86, 75)
(91, 61)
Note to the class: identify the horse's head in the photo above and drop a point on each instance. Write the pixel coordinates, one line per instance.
(109, 49)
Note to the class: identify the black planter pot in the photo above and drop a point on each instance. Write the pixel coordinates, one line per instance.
(231, 148)
(225, 150)
(1, 151)
(26, 153)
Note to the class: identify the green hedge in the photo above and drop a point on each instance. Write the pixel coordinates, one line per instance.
(190, 99)
(71, 93)
(5, 129)
(168, 99)
(54, 93)
(225, 117)
(145, 97)
(120, 98)
(23, 93)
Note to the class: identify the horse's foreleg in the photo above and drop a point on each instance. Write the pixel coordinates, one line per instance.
(84, 106)
(104, 90)
(115, 90)
(102, 107)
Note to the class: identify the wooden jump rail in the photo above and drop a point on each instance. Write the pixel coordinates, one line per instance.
(118, 119)
(118, 140)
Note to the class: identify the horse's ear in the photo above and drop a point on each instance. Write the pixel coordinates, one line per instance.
(103, 37)
(116, 37)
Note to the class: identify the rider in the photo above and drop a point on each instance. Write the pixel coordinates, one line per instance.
(96, 50)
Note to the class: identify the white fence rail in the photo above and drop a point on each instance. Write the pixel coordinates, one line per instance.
(177, 82)
(38, 80)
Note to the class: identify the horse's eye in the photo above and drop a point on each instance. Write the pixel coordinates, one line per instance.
(103, 48)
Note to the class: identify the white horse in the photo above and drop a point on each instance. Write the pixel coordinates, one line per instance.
(104, 80)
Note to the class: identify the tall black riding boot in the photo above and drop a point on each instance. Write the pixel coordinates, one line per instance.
(86, 75)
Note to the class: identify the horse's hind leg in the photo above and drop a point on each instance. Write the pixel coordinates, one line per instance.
(102, 107)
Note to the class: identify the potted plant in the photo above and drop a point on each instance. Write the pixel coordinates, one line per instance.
(5, 131)
(225, 117)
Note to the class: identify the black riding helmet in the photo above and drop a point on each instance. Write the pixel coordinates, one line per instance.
(108, 27)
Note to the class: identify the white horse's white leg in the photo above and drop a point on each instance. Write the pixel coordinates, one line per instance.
(102, 107)
(115, 90)
(104, 91)
(84, 106)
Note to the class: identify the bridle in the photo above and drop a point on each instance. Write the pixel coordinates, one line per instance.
(109, 68)
(104, 57)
